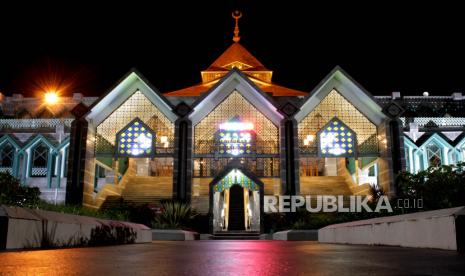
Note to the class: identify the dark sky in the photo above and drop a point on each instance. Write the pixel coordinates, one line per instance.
(384, 47)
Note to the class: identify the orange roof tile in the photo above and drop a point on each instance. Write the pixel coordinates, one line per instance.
(274, 89)
(236, 53)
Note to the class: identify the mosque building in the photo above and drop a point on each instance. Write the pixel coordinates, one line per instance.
(226, 142)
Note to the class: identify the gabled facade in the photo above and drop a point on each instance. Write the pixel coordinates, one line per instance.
(225, 143)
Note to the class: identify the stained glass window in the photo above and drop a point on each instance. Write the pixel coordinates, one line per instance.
(235, 177)
(136, 140)
(235, 138)
(336, 139)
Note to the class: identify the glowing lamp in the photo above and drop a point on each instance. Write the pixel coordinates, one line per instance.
(144, 142)
(135, 150)
(235, 151)
(236, 126)
(309, 139)
(51, 97)
(164, 141)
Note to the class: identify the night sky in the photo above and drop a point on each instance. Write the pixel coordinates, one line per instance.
(87, 49)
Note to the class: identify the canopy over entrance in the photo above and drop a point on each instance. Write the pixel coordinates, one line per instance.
(236, 201)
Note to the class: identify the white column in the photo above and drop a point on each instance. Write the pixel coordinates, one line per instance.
(425, 158)
(446, 156)
(411, 160)
(417, 162)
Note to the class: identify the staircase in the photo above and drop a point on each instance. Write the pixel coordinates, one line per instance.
(236, 208)
(236, 235)
(142, 190)
(324, 185)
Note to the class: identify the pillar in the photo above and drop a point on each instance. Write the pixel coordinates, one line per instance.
(182, 158)
(77, 156)
(397, 147)
(289, 150)
(51, 155)
(58, 168)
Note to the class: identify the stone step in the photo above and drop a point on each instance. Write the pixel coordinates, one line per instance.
(236, 235)
(324, 185)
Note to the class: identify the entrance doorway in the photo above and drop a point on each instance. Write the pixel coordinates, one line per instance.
(236, 208)
(236, 201)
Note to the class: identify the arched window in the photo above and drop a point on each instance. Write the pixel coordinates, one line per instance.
(235, 138)
(39, 160)
(434, 155)
(235, 177)
(7, 153)
(136, 139)
(336, 139)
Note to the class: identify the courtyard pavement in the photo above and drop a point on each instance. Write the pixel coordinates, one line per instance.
(233, 258)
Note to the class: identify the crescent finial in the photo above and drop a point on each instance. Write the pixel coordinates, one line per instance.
(236, 15)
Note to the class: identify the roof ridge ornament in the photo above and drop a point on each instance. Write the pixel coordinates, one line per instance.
(236, 15)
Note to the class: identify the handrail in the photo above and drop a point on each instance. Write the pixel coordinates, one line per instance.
(105, 166)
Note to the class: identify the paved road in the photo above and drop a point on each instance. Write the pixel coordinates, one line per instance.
(233, 258)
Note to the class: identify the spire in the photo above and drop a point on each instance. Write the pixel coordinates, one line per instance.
(236, 15)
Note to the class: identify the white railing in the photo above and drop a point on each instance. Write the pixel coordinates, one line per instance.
(6, 169)
(440, 121)
(429, 97)
(33, 123)
(39, 171)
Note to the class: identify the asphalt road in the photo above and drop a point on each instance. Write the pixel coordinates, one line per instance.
(233, 258)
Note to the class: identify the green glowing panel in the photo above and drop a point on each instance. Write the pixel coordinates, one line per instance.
(235, 177)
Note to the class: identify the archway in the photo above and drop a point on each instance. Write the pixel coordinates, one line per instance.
(236, 200)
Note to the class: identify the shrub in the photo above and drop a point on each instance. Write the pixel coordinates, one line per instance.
(199, 223)
(376, 191)
(439, 187)
(174, 215)
(110, 235)
(116, 214)
(13, 194)
(274, 222)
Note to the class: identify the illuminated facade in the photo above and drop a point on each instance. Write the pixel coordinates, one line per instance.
(225, 143)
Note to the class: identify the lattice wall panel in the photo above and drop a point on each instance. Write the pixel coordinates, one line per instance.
(235, 105)
(135, 106)
(261, 167)
(335, 105)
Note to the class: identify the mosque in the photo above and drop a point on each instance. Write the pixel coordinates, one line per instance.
(226, 142)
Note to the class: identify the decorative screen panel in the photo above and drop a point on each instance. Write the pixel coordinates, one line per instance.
(261, 167)
(136, 140)
(136, 106)
(335, 105)
(235, 177)
(234, 106)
